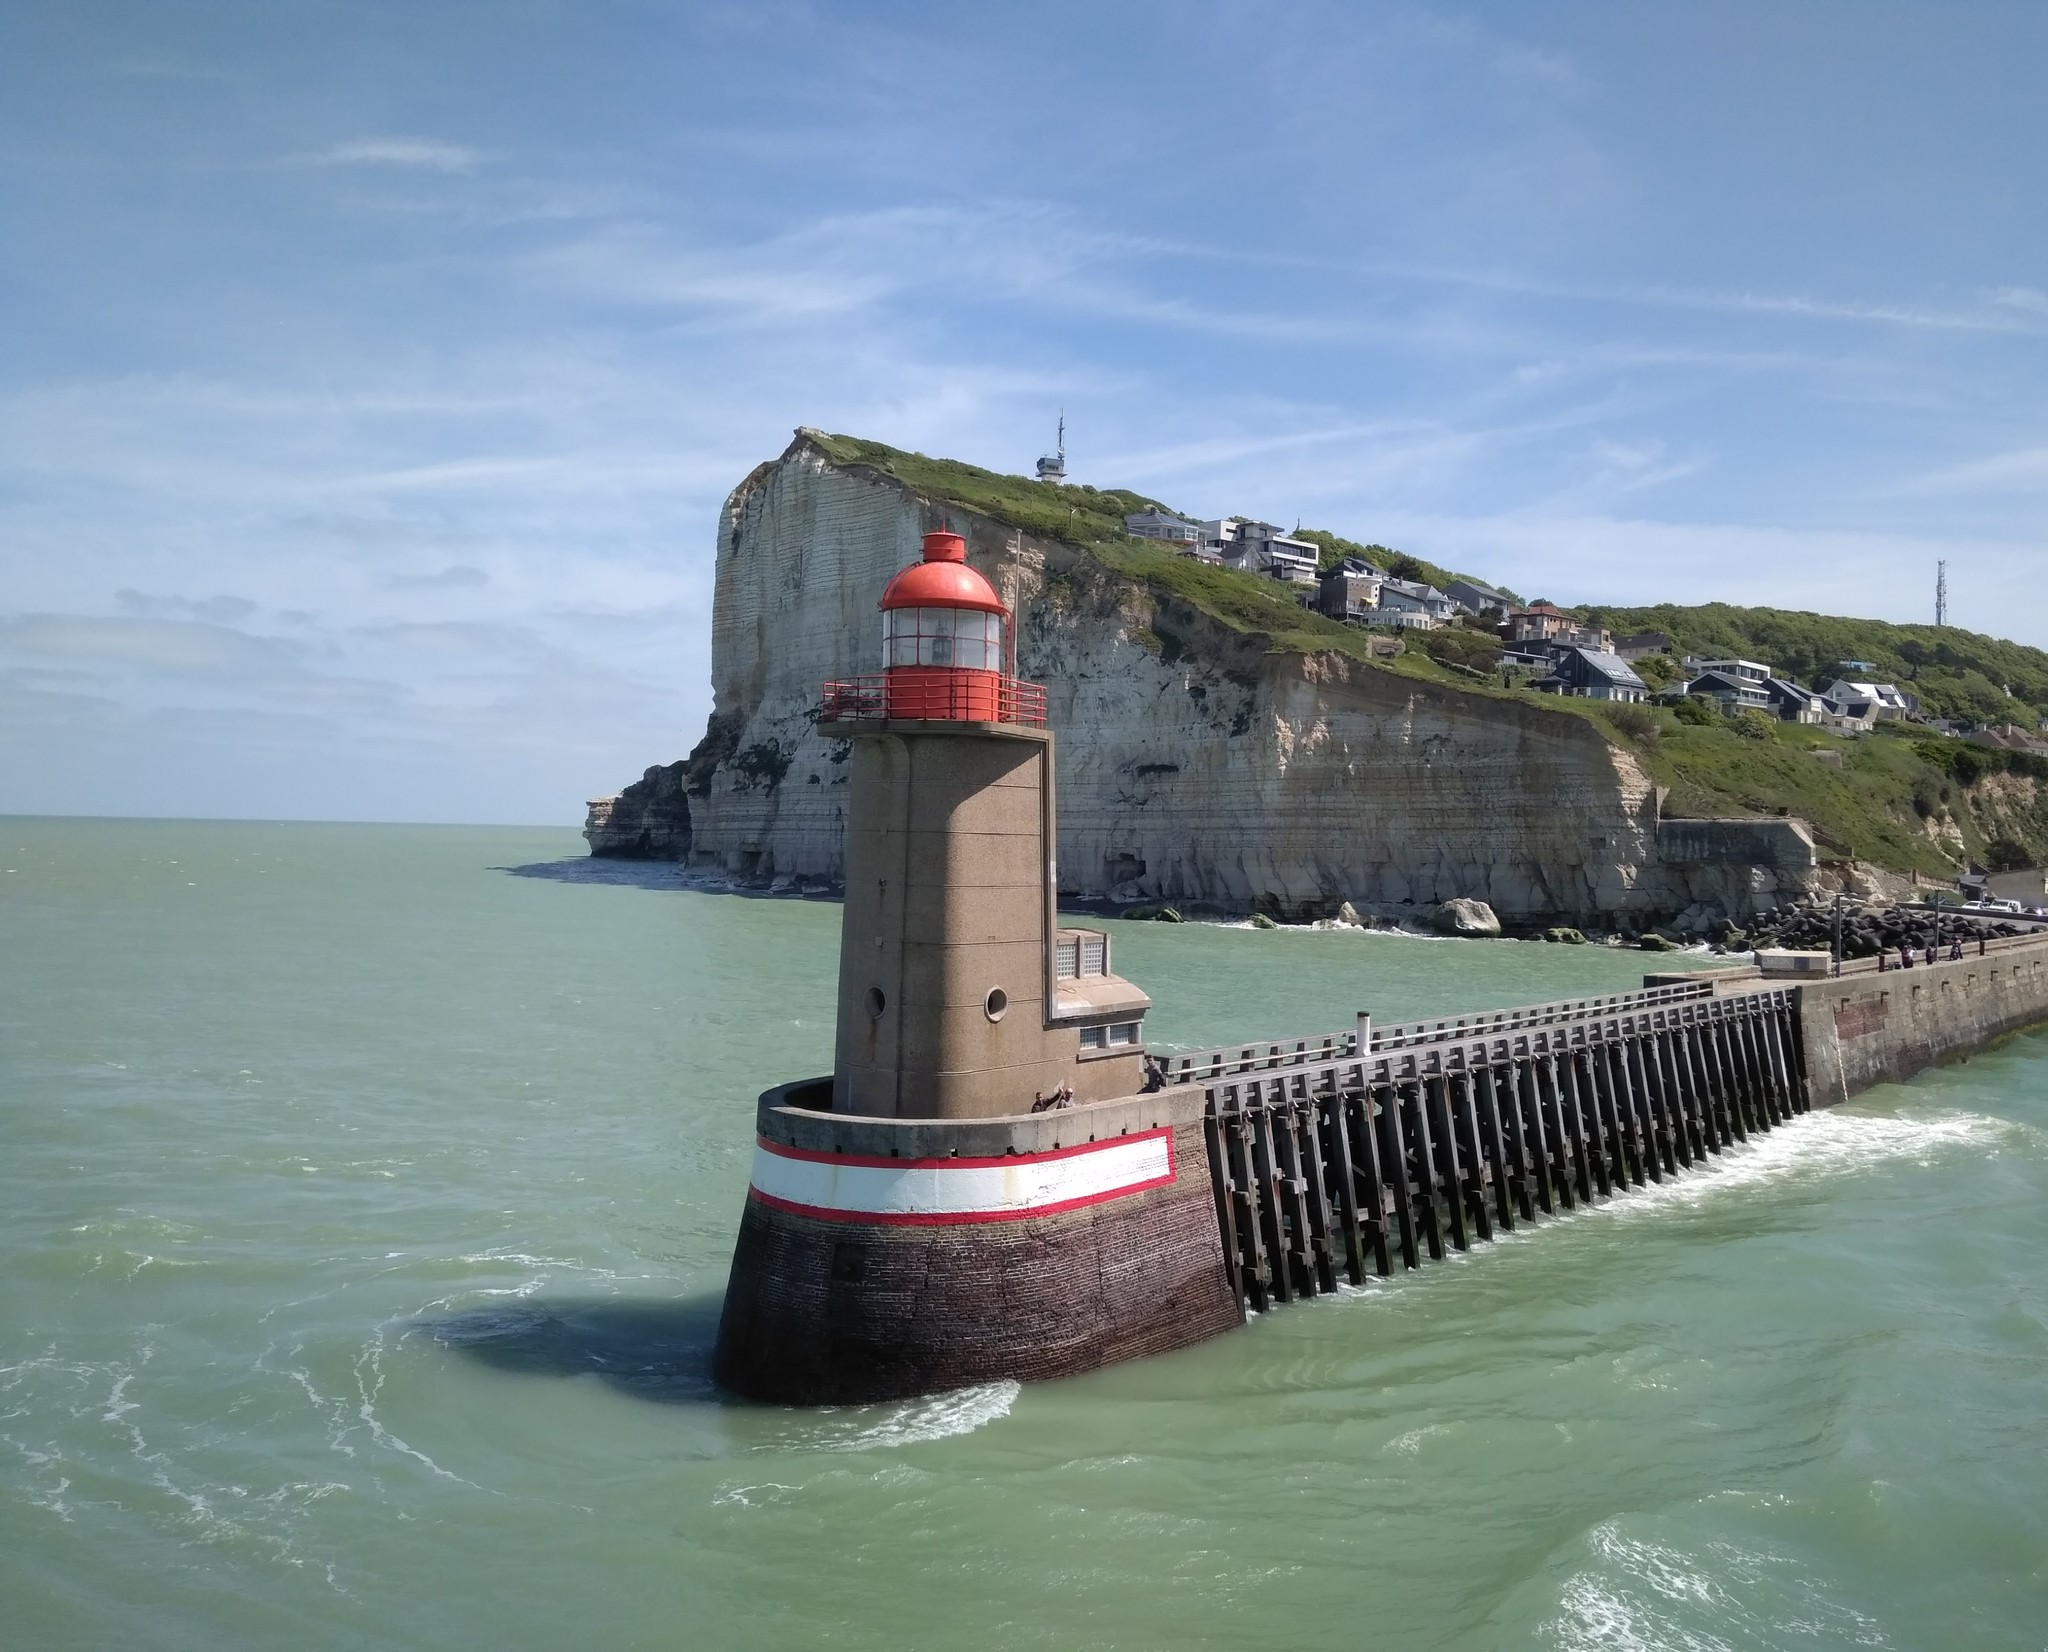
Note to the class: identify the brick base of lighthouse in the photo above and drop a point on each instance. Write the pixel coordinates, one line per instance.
(825, 1307)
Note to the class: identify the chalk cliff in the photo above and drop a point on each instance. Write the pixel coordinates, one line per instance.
(1196, 762)
(649, 820)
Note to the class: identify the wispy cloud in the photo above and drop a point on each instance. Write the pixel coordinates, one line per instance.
(2019, 470)
(219, 610)
(426, 154)
(458, 578)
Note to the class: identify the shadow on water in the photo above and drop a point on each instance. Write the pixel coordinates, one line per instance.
(656, 1351)
(654, 874)
(639, 874)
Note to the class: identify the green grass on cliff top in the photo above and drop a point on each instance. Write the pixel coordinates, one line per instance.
(1870, 807)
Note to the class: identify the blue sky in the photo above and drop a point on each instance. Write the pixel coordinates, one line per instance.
(371, 374)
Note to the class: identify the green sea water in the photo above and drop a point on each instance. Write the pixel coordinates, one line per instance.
(366, 1195)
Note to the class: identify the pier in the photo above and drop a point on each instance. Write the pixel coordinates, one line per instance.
(999, 1180)
(1340, 1157)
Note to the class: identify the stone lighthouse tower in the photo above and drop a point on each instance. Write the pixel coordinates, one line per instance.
(951, 1004)
(982, 1188)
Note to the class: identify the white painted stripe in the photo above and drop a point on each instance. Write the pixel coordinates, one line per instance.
(984, 1190)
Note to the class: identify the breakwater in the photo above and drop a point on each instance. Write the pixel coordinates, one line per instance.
(886, 1257)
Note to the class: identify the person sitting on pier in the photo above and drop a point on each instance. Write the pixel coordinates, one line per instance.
(1905, 956)
(1955, 949)
(1155, 1075)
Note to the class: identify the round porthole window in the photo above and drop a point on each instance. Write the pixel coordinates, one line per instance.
(995, 1003)
(876, 1003)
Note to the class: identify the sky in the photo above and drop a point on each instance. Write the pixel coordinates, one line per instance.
(371, 375)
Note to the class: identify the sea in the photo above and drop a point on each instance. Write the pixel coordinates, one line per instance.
(366, 1197)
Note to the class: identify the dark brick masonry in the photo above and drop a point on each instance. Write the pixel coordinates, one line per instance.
(821, 1312)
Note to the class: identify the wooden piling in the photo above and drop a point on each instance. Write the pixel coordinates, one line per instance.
(1496, 1149)
(1450, 1171)
(1472, 1150)
(1648, 1162)
(1334, 1132)
(1394, 1165)
(1226, 1216)
(1359, 1118)
(1279, 1267)
(1422, 1168)
(1585, 1069)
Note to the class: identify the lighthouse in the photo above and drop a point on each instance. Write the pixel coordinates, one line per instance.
(951, 1000)
(983, 1187)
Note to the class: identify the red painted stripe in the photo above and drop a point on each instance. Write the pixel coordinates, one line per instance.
(865, 1161)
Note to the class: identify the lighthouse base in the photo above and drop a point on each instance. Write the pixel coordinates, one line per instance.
(880, 1258)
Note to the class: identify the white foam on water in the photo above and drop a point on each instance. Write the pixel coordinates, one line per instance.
(1410, 1444)
(1638, 1595)
(1811, 1147)
(744, 1496)
(938, 1417)
(118, 1405)
(369, 1384)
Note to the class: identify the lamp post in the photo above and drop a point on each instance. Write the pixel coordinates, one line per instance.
(1838, 932)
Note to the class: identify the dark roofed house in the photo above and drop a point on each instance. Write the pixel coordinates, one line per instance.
(1794, 702)
(1476, 596)
(1159, 525)
(1730, 692)
(1642, 644)
(1350, 590)
(1592, 674)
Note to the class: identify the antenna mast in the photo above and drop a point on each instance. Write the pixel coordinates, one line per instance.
(1941, 592)
(1053, 467)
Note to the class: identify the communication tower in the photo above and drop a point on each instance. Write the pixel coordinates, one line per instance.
(1052, 467)
(1941, 592)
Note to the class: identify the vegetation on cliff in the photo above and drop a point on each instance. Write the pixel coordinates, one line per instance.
(1899, 801)
(1957, 674)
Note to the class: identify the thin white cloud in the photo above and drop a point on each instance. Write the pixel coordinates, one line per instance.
(2020, 470)
(218, 610)
(459, 577)
(2022, 298)
(421, 153)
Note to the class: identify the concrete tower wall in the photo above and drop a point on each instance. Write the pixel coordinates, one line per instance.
(948, 898)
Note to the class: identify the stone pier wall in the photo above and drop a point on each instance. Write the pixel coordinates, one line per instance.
(1875, 1027)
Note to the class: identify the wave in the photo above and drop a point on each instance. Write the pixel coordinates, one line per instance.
(1640, 1594)
(905, 1422)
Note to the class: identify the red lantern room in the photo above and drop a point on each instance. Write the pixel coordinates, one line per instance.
(944, 650)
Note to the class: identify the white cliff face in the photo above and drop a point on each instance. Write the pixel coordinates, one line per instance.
(1193, 765)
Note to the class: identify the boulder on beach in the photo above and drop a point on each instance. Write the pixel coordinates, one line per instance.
(1465, 916)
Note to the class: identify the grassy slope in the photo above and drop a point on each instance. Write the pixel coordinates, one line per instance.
(1960, 674)
(1866, 808)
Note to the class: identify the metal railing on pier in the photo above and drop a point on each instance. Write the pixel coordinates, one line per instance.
(1262, 1055)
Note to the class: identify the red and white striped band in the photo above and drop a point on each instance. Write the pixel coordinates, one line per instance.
(854, 1188)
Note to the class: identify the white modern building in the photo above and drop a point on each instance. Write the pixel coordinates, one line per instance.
(1262, 548)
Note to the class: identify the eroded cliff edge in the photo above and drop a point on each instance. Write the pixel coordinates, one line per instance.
(1196, 762)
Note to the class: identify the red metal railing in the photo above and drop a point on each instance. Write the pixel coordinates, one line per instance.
(934, 694)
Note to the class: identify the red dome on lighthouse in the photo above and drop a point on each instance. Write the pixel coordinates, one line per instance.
(942, 580)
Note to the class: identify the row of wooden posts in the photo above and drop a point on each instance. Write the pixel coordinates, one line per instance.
(1338, 1171)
